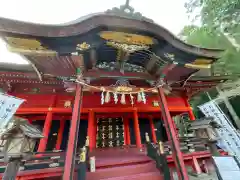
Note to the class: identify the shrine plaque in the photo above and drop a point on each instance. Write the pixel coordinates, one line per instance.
(227, 167)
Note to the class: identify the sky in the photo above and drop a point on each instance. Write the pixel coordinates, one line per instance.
(170, 14)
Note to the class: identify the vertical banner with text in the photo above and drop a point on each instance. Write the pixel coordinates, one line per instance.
(8, 106)
(230, 140)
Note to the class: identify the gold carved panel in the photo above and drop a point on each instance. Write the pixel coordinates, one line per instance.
(122, 37)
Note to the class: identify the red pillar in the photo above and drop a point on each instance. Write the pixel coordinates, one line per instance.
(60, 134)
(137, 129)
(190, 111)
(46, 130)
(154, 138)
(127, 138)
(128, 132)
(73, 136)
(171, 133)
(94, 133)
(125, 130)
(91, 129)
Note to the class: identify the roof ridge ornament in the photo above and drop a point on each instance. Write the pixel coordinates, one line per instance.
(127, 11)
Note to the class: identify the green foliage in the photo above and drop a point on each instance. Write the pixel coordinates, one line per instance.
(220, 28)
(223, 15)
(208, 37)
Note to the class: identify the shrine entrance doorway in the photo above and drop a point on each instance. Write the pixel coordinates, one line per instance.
(110, 132)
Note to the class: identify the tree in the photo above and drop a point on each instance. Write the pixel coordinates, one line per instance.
(220, 28)
(221, 15)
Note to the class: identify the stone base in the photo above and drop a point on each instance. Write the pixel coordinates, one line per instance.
(198, 175)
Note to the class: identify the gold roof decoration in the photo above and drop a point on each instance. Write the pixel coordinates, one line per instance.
(123, 89)
(23, 43)
(83, 46)
(27, 46)
(130, 48)
(122, 85)
(200, 64)
(127, 38)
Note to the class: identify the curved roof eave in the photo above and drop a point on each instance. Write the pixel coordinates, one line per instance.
(92, 21)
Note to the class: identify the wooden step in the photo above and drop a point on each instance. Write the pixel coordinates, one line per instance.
(122, 171)
(141, 176)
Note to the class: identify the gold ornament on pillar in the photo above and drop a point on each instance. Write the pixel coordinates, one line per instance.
(67, 104)
(147, 137)
(87, 141)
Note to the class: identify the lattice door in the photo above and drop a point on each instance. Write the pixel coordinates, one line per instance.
(110, 132)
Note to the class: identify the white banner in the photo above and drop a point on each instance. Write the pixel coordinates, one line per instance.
(8, 106)
(230, 140)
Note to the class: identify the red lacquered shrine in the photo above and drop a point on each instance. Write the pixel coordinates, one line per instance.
(113, 77)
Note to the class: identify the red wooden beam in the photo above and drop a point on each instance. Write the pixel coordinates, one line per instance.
(73, 136)
(108, 74)
(98, 110)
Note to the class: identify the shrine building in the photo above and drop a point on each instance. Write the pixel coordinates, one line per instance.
(113, 77)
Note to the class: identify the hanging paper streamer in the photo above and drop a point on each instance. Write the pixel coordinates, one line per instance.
(139, 97)
(102, 96)
(107, 97)
(123, 100)
(143, 96)
(115, 96)
(131, 99)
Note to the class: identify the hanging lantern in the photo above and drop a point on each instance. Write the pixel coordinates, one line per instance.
(18, 141)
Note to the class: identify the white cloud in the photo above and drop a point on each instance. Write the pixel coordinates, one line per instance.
(167, 13)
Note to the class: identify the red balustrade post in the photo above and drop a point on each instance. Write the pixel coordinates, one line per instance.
(190, 111)
(46, 130)
(172, 137)
(73, 136)
(154, 138)
(60, 134)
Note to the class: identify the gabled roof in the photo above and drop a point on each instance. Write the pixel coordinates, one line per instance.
(54, 46)
(93, 21)
(21, 124)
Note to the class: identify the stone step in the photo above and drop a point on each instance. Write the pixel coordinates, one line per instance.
(127, 170)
